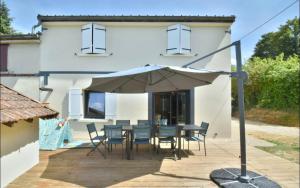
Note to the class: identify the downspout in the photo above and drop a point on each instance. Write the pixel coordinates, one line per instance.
(35, 26)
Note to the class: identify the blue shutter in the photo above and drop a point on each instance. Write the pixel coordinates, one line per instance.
(75, 103)
(86, 39)
(110, 105)
(173, 39)
(185, 39)
(99, 42)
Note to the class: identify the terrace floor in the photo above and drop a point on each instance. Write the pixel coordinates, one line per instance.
(72, 168)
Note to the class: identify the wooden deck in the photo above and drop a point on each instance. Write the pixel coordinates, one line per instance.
(72, 168)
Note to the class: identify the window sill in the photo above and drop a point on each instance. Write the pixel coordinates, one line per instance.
(93, 55)
(179, 55)
(90, 120)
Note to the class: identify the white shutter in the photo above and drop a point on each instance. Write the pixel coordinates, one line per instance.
(99, 42)
(185, 39)
(173, 39)
(86, 39)
(110, 105)
(75, 103)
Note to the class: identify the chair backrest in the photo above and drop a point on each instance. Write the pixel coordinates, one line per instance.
(167, 131)
(204, 126)
(92, 130)
(143, 122)
(163, 122)
(142, 132)
(113, 131)
(123, 122)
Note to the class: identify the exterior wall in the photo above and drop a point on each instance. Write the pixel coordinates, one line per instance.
(138, 44)
(19, 149)
(132, 45)
(23, 58)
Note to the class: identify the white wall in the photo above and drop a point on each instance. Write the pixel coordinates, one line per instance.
(134, 44)
(19, 149)
(138, 44)
(23, 58)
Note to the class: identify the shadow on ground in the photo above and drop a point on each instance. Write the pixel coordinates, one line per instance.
(73, 166)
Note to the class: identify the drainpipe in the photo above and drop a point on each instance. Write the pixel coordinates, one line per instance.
(35, 26)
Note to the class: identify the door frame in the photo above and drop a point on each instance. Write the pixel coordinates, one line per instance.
(151, 106)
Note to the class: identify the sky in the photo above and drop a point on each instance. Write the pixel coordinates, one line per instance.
(249, 13)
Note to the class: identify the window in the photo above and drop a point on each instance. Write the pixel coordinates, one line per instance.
(94, 106)
(91, 105)
(3, 57)
(93, 39)
(179, 37)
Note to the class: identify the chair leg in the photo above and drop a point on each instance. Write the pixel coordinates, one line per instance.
(122, 152)
(199, 145)
(93, 149)
(204, 147)
(105, 151)
(150, 148)
(188, 146)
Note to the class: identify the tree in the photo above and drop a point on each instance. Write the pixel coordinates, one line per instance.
(5, 20)
(284, 41)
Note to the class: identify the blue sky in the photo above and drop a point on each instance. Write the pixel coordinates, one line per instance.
(249, 14)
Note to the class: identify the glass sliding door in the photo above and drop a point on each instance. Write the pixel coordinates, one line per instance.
(172, 106)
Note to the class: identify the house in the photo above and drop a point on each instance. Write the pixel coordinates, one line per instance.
(19, 133)
(57, 61)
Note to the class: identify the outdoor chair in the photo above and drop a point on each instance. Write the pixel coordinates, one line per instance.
(143, 122)
(142, 136)
(123, 123)
(198, 137)
(168, 135)
(113, 134)
(96, 140)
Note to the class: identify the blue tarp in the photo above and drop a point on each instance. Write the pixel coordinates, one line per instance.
(53, 133)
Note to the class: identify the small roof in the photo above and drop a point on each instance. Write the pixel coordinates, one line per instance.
(15, 106)
(19, 38)
(134, 18)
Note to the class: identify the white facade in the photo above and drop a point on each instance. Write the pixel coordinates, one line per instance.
(128, 45)
(19, 149)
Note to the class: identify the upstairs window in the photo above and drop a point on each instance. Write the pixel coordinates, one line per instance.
(93, 39)
(3, 57)
(179, 39)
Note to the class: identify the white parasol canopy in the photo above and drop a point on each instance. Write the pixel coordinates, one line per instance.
(153, 78)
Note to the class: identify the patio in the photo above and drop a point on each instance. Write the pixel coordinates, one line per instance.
(71, 168)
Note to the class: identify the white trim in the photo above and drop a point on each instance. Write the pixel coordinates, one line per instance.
(79, 54)
(89, 120)
(179, 55)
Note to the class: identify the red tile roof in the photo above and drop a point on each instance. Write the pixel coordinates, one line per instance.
(15, 106)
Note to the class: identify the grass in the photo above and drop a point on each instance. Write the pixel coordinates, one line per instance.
(289, 119)
(286, 147)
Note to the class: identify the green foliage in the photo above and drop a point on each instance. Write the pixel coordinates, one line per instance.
(272, 83)
(5, 20)
(285, 40)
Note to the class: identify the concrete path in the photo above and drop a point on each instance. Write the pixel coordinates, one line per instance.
(261, 127)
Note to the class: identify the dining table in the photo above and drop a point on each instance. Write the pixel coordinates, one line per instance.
(128, 129)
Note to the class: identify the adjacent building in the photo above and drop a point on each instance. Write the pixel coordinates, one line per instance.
(19, 131)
